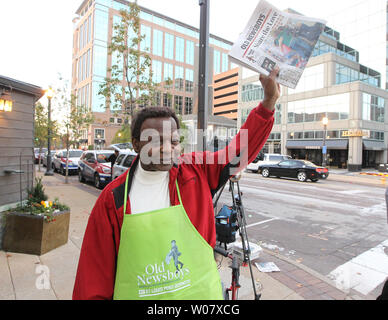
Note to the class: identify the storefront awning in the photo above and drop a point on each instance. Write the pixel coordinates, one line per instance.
(317, 144)
(374, 145)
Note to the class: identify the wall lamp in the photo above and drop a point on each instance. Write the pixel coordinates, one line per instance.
(5, 102)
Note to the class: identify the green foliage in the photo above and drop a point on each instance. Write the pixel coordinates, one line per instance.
(123, 135)
(36, 193)
(77, 117)
(130, 64)
(37, 203)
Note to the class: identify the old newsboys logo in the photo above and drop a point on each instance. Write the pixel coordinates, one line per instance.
(167, 276)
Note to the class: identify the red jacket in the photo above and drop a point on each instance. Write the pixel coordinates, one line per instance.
(197, 182)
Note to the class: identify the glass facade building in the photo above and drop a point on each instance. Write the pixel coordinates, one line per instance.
(334, 85)
(171, 44)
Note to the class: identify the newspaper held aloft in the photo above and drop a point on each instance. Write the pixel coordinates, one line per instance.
(276, 38)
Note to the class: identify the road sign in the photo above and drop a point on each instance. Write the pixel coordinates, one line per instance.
(324, 149)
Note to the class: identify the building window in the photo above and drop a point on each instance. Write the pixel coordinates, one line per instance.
(225, 62)
(156, 71)
(278, 114)
(190, 52)
(252, 92)
(312, 79)
(157, 99)
(217, 62)
(335, 107)
(188, 105)
(101, 20)
(345, 74)
(145, 16)
(158, 43)
(100, 56)
(179, 49)
(168, 75)
(168, 46)
(99, 133)
(98, 101)
(373, 108)
(145, 44)
(189, 80)
(178, 104)
(179, 78)
(167, 98)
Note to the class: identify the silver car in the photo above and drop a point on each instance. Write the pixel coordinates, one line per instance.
(44, 157)
(123, 162)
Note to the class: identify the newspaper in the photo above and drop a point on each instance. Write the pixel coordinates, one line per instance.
(275, 38)
(267, 267)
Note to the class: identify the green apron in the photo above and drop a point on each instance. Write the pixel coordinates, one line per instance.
(163, 256)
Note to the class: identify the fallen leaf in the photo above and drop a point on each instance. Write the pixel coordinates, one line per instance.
(299, 285)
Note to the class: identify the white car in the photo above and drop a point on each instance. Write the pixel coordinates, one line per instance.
(95, 166)
(123, 162)
(60, 158)
(267, 158)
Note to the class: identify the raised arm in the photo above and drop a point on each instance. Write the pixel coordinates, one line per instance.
(243, 149)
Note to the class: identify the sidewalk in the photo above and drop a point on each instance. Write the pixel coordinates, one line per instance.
(367, 177)
(21, 275)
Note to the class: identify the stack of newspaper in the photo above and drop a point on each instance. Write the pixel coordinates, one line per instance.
(275, 38)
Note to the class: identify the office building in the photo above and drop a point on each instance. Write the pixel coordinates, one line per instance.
(171, 44)
(334, 85)
(363, 24)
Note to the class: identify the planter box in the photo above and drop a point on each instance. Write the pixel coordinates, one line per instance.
(31, 234)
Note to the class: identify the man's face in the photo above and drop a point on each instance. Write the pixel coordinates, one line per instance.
(159, 144)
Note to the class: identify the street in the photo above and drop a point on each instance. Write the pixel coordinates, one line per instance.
(321, 225)
(338, 229)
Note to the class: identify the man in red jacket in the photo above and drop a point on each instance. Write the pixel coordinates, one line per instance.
(164, 199)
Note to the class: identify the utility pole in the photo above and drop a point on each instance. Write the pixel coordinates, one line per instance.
(203, 81)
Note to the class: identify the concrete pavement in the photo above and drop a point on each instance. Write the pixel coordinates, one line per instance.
(51, 276)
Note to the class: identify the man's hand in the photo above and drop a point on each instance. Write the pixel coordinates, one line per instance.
(271, 89)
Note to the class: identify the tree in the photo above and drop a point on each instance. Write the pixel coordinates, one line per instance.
(79, 119)
(41, 128)
(76, 118)
(130, 84)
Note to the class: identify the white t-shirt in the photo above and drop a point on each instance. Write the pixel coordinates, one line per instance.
(149, 190)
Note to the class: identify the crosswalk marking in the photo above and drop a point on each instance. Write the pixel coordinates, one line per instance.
(364, 272)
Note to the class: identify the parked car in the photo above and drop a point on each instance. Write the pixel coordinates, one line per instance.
(59, 161)
(123, 162)
(122, 146)
(266, 159)
(299, 169)
(95, 166)
(38, 155)
(44, 157)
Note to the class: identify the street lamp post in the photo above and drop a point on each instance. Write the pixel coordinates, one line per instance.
(325, 122)
(49, 95)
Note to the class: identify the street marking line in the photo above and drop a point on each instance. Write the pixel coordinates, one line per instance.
(364, 272)
(262, 222)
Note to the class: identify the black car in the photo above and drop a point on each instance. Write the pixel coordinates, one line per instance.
(299, 169)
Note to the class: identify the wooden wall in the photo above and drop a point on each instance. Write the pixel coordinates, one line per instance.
(16, 143)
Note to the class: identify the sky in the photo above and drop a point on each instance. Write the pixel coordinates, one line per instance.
(37, 35)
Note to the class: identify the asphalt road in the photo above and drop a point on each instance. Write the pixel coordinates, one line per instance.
(335, 228)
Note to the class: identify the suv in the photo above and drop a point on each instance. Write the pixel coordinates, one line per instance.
(266, 158)
(123, 162)
(59, 161)
(95, 166)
